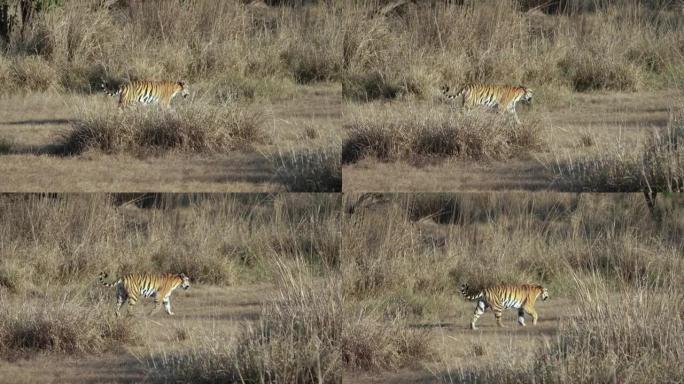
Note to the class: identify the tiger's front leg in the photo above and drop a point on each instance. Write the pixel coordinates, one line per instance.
(479, 310)
(167, 305)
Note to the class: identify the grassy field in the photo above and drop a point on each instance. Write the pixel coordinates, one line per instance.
(606, 86)
(613, 269)
(263, 112)
(264, 302)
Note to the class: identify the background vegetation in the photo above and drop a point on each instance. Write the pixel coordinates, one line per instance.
(230, 49)
(411, 48)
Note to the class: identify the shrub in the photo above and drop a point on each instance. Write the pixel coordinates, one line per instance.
(437, 133)
(310, 170)
(67, 327)
(190, 129)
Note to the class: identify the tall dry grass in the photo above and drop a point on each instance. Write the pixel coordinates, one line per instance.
(216, 239)
(412, 48)
(657, 164)
(296, 340)
(80, 44)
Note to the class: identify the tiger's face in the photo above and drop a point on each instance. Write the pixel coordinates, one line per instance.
(545, 293)
(183, 89)
(527, 96)
(186, 281)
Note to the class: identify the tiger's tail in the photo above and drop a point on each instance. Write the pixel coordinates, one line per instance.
(468, 294)
(101, 278)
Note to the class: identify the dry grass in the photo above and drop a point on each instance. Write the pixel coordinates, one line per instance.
(190, 129)
(310, 170)
(296, 340)
(657, 165)
(64, 325)
(215, 239)
(391, 134)
(412, 48)
(79, 44)
(407, 254)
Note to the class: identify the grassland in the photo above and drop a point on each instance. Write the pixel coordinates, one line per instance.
(264, 268)
(263, 114)
(614, 270)
(607, 79)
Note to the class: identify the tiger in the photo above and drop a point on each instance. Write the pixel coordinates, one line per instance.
(149, 92)
(498, 97)
(131, 287)
(500, 297)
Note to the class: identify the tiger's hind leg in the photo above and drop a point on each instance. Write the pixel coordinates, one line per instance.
(498, 313)
(479, 310)
(521, 317)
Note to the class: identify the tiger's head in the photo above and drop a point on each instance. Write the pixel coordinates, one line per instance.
(183, 89)
(185, 284)
(527, 95)
(544, 293)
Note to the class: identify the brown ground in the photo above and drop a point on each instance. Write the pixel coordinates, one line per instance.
(459, 349)
(199, 312)
(607, 117)
(32, 123)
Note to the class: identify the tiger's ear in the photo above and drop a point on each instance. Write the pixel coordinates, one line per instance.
(181, 83)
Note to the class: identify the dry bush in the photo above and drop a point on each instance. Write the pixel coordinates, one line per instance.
(194, 129)
(369, 344)
(59, 325)
(85, 42)
(224, 240)
(417, 46)
(658, 165)
(310, 170)
(390, 135)
(296, 340)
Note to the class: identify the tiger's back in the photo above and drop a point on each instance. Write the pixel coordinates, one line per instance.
(150, 92)
(500, 297)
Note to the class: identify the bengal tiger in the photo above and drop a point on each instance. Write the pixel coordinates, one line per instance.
(500, 297)
(498, 97)
(131, 287)
(149, 92)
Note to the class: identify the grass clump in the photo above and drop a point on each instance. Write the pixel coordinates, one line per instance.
(437, 133)
(190, 129)
(60, 326)
(373, 345)
(309, 170)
